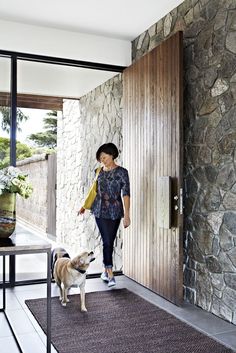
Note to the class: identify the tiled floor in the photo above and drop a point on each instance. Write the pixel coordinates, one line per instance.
(33, 340)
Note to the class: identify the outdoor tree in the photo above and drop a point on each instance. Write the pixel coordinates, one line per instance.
(47, 138)
(6, 118)
(22, 151)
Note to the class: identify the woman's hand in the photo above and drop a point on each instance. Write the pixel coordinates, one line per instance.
(126, 221)
(81, 211)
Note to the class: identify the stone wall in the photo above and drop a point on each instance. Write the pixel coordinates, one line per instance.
(209, 31)
(34, 209)
(86, 124)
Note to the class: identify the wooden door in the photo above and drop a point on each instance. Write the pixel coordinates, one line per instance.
(152, 149)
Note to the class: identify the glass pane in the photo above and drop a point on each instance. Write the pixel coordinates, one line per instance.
(5, 67)
(49, 136)
(36, 140)
(5, 76)
(31, 152)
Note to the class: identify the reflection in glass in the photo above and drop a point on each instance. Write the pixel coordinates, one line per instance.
(5, 66)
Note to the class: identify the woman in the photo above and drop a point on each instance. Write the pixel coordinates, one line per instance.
(108, 208)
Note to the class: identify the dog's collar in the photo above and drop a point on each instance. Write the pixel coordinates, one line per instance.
(79, 270)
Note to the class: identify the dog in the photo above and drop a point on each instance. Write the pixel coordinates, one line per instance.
(70, 272)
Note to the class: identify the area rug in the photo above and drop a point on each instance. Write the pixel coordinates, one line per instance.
(119, 321)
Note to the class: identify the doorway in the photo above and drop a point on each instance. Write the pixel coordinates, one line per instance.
(35, 90)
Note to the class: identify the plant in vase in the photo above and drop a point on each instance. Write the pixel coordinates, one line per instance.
(12, 181)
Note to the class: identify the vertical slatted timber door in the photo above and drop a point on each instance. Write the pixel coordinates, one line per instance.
(152, 148)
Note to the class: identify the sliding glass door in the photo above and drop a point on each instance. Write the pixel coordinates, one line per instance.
(5, 114)
(33, 92)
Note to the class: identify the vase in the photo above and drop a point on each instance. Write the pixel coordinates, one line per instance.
(7, 214)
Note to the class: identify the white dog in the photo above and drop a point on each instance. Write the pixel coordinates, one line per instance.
(69, 272)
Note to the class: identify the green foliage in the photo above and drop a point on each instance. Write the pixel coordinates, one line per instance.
(44, 139)
(47, 138)
(6, 118)
(22, 151)
(4, 147)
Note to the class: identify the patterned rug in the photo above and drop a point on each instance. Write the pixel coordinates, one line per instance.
(119, 321)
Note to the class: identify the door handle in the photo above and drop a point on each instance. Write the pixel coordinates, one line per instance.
(180, 203)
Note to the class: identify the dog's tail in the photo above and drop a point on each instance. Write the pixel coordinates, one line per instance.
(57, 253)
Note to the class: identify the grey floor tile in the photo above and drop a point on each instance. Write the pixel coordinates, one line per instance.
(11, 301)
(99, 286)
(8, 345)
(32, 320)
(229, 338)
(5, 329)
(206, 321)
(20, 321)
(34, 294)
(29, 341)
(43, 338)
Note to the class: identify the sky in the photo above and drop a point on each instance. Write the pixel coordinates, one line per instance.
(32, 125)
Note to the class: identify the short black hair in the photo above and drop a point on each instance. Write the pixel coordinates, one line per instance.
(108, 148)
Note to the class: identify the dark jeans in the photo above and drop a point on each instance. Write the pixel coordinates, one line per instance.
(108, 229)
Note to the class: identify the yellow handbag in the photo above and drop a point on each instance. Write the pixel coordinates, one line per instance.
(92, 192)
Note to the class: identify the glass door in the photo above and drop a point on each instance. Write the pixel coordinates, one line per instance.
(36, 88)
(5, 113)
(48, 98)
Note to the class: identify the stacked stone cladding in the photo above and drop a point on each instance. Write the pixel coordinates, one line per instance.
(209, 40)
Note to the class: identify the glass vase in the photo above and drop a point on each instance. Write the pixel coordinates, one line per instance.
(7, 214)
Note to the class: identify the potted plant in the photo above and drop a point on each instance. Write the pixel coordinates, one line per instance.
(12, 181)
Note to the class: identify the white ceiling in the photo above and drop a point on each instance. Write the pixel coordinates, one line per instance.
(124, 19)
(120, 19)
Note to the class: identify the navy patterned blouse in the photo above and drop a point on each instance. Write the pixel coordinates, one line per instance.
(108, 203)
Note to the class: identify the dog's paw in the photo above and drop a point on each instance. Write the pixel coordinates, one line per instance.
(63, 303)
(67, 300)
(84, 310)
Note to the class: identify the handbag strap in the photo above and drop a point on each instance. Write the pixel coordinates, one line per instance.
(97, 173)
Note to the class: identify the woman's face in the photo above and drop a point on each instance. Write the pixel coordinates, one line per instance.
(106, 159)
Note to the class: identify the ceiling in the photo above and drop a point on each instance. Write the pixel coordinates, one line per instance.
(123, 19)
